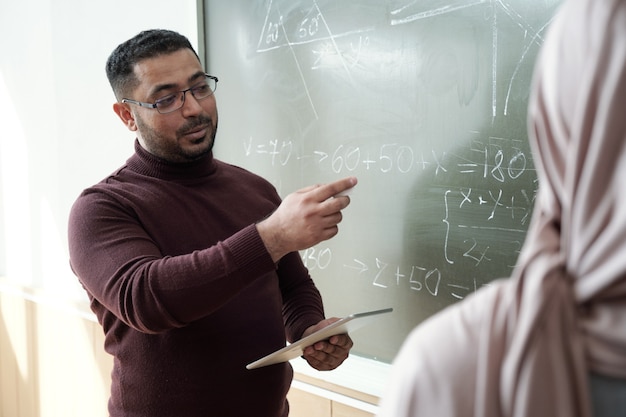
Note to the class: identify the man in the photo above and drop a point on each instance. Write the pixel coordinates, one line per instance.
(191, 264)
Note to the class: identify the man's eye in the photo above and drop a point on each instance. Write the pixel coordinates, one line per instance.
(201, 89)
(166, 101)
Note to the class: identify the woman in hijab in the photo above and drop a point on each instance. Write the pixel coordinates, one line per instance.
(551, 340)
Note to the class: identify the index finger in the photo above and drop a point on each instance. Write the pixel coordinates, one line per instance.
(326, 191)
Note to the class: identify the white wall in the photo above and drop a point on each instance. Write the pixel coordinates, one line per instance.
(58, 133)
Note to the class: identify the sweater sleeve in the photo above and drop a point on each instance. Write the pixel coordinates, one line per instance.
(124, 270)
(302, 302)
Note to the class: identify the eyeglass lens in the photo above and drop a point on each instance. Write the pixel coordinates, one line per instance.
(176, 100)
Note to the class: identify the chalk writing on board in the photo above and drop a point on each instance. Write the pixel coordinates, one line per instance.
(492, 161)
(496, 202)
(425, 103)
(383, 275)
(277, 32)
(392, 158)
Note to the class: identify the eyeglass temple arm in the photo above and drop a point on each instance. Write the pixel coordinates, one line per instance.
(139, 103)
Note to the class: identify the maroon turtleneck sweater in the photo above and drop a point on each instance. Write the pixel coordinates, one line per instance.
(185, 289)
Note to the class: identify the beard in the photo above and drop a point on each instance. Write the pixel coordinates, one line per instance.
(171, 149)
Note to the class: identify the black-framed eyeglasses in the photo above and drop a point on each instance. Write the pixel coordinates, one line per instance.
(175, 101)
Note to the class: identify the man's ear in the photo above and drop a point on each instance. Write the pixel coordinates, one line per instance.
(123, 112)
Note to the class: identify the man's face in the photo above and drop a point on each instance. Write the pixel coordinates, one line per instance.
(184, 134)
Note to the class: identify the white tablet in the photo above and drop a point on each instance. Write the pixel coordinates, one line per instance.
(344, 325)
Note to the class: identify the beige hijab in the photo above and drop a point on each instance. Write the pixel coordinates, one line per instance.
(525, 346)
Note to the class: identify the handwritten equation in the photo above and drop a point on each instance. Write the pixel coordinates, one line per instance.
(383, 275)
(490, 161)
(473, 246)
(480, 222)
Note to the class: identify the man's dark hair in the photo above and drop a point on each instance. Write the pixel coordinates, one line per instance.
(147, 44)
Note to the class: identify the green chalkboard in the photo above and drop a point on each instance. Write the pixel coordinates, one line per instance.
(424, 101)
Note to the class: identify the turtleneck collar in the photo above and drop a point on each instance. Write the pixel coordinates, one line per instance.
(143, 162)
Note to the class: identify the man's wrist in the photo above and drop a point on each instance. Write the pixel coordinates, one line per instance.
(270, 241)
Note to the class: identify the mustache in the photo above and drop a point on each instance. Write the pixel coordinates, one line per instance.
(191, 125)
